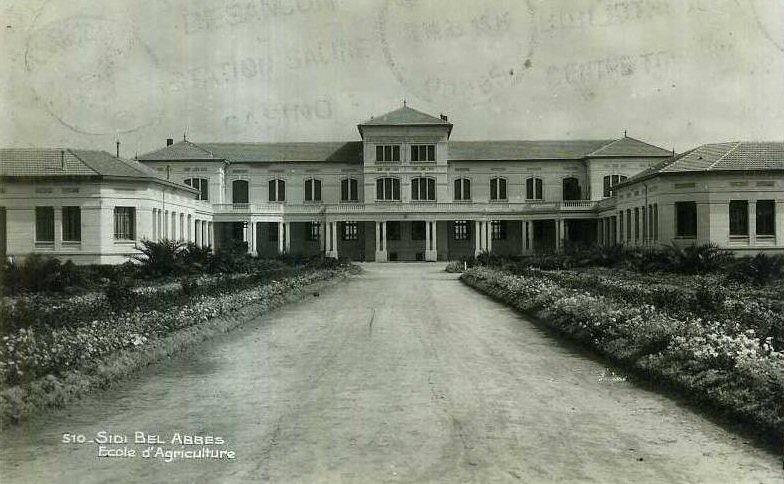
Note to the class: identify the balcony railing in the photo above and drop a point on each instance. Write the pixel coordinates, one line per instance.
(405, 207)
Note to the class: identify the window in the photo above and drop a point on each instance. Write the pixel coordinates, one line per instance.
(312, 190)
(348, 190)
(498, 229)
(44, 224)
(498, 188)
(418, 230)
(388, 189)
(393, 230)
(350, 231)
(766, 217)
(72, 224)
(636, 223)
(201, 184)
(313, 231)
(610, 181)
(462, 189)
(628, 224)
(686, 219)
(571, 189)
(423, 189)
(239, 191)
(461, 230)
(533, 188)
(423, 152)
(739, 217)
(388, 153)
(125, 223)
(277, 190)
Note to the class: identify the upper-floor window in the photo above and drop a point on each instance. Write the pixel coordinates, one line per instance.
(202, 185)
(610, 181)
(44, 224)
(277, 190)
(239, 191)
(387, 152)
(686, 219)
(423, 189)
(533, 188)
(462, 189)
(349, 191)
(312, 190)
(72, 224)
(766, 217)
(498, 188)
(423, 152)
(739, 217)
(388, 188)
(571, 188)
(125, 223)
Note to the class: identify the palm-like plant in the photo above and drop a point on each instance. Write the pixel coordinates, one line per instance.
(160, 258)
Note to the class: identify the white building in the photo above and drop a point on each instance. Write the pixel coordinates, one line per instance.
(404, 191)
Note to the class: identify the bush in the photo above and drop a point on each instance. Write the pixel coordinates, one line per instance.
(760, 269)
(40, 274)
(162, 258)
(120, 296)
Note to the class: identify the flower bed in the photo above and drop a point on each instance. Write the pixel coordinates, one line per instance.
(43, 366)
(724, 364)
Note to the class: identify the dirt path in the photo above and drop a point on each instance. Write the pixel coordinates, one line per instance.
(402, 375)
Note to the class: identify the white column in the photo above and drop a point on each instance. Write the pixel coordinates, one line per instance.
(381, 242)
(489, 235)
(287, 233)
(281, 235)
(197, 232)
(335, 252)
(322, 236)
(254, 237)
(530, 234)
(558, 233)
(477, 237)
(752, 223)
(431, 254)
(779, 220)
(523, 237)
(434, 237)
(210, 234)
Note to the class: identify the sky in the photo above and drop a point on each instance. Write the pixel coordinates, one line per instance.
(674, 73)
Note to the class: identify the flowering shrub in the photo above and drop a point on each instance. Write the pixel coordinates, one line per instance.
(732, 362)
(35, 350)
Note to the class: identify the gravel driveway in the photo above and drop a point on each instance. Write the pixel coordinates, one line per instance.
(402, 374)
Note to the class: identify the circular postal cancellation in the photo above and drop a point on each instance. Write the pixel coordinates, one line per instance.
(475, 51)
(93, 73)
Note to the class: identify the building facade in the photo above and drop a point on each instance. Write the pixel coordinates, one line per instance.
(403, 191)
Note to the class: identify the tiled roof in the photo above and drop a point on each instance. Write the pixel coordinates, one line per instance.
(402, 116)
(49, 163)
(351, 152)
(522, 150)
(716, 157)
(627, 146)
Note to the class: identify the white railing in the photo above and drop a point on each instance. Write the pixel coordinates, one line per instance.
(405, 207)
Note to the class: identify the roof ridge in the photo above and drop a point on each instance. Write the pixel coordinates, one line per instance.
(644, 142)
(73, 153)
(737, 143)
(200, 147)
(606, 145)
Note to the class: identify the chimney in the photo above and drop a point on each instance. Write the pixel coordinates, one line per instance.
(444, 118)
(169, 141)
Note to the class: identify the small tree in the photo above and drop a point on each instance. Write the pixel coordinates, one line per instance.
(160, 258)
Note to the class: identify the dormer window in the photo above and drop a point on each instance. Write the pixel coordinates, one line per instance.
(387, 152)
(423, 152)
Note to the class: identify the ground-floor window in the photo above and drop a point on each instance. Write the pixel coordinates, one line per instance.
(272, 232)
(498, 229)
(766, 217)
(350, 231)
(313, 231)
(686, 219)
(44, 224)
(418, 230)
(72, 224)
(393, 230)
(125, 223)
(739, 217)
(461, 229)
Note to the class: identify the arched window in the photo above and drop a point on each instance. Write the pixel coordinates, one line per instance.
(349, 190)
(610, 181)
(533, 188)
(388, 188)
(498, 188)
(423, 189)
(462, 189)
(312, 190)
(571, 189)
(239, 191)
(201, 184)
(277, 190)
